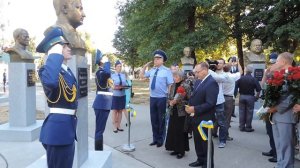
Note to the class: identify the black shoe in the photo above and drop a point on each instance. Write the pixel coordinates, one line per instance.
(98, 145)
(233, 115)
(152, 143)
(249, 130)
(179, 156)
(242, 129)
(159, 145)
(273, 159)
(215, 135)
(120, 129)
(173, 153)
(115, 131)
(267, 154)
(229, 138)
(196, 164)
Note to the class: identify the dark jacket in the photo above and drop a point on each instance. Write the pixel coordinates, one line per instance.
(182, 101)
(204, 98)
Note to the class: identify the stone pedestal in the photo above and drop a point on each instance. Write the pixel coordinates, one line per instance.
(258, 70)
(22, 125)
(78, 65)
(187, 67)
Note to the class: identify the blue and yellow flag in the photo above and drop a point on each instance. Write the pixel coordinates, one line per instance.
(206, 124)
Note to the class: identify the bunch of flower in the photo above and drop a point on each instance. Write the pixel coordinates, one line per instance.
(293, 80)
(274, 88)
(180, 93)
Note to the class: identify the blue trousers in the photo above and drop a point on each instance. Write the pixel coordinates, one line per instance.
(158, 118)
(60, 155)
(246, 107)
(221, 123)
(101, 118)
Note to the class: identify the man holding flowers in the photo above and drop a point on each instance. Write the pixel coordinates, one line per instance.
(283, 118)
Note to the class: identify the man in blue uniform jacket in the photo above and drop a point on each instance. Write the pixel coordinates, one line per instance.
(103, 100)
(59, 128)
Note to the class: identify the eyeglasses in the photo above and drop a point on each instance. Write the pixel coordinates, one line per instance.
(198, 71)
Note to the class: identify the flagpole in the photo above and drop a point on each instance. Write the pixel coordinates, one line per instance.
(209, 149)
(128, 147)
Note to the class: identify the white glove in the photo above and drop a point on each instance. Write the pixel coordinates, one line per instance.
(104, 59)
(57, 49)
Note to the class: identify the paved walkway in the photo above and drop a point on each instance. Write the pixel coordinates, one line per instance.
(243, 152)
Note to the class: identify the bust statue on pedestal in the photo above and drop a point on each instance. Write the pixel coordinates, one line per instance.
(19, 53)
(187, 61)
(256, 54)
(256, 59)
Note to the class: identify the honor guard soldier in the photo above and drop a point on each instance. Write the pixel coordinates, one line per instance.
(103, 100)
(59, 128)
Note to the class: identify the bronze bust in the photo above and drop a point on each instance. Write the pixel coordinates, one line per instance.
(19, 53)
(70, 15)
(187, 61)
(256, 54)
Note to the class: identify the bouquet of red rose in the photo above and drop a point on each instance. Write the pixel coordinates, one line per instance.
(272, 93)
(293, 79)
(274, 88)
(180, 93)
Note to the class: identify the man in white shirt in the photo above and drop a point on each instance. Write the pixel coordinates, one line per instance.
(228, 90)
(221, 78)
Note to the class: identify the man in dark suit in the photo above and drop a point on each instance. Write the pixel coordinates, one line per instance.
(202, 105)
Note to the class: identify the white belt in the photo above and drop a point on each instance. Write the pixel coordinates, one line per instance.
(105, 93)
(62, 111)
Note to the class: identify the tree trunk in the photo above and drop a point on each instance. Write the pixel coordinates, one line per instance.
(191, 28)
(239, 46)
(237, 32)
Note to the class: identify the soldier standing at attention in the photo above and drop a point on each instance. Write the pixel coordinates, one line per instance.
(59, 128)
(103, 100)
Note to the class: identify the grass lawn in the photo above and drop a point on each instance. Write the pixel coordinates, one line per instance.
(140, 89)
(141, 92)
(4, 115)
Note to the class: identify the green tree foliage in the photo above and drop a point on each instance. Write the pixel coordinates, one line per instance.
(170, 25)
(208, 26)
(32, 46)
(277, 23)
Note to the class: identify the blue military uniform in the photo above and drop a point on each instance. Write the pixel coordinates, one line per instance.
(160, 79)
(119, 98)
(59, 128)
(103, 100)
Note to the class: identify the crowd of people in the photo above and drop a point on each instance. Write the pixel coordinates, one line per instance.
(203, 94)
(191, 100)
(190, 97)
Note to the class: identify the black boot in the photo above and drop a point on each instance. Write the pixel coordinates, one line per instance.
(99, 145)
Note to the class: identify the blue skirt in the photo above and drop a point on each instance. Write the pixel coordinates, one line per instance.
(118, 102)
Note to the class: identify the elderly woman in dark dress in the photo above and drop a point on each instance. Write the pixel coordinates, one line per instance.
(177, 138)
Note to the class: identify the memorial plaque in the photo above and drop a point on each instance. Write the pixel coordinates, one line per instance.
(82, 82)
(30, 77)
(258, 74)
